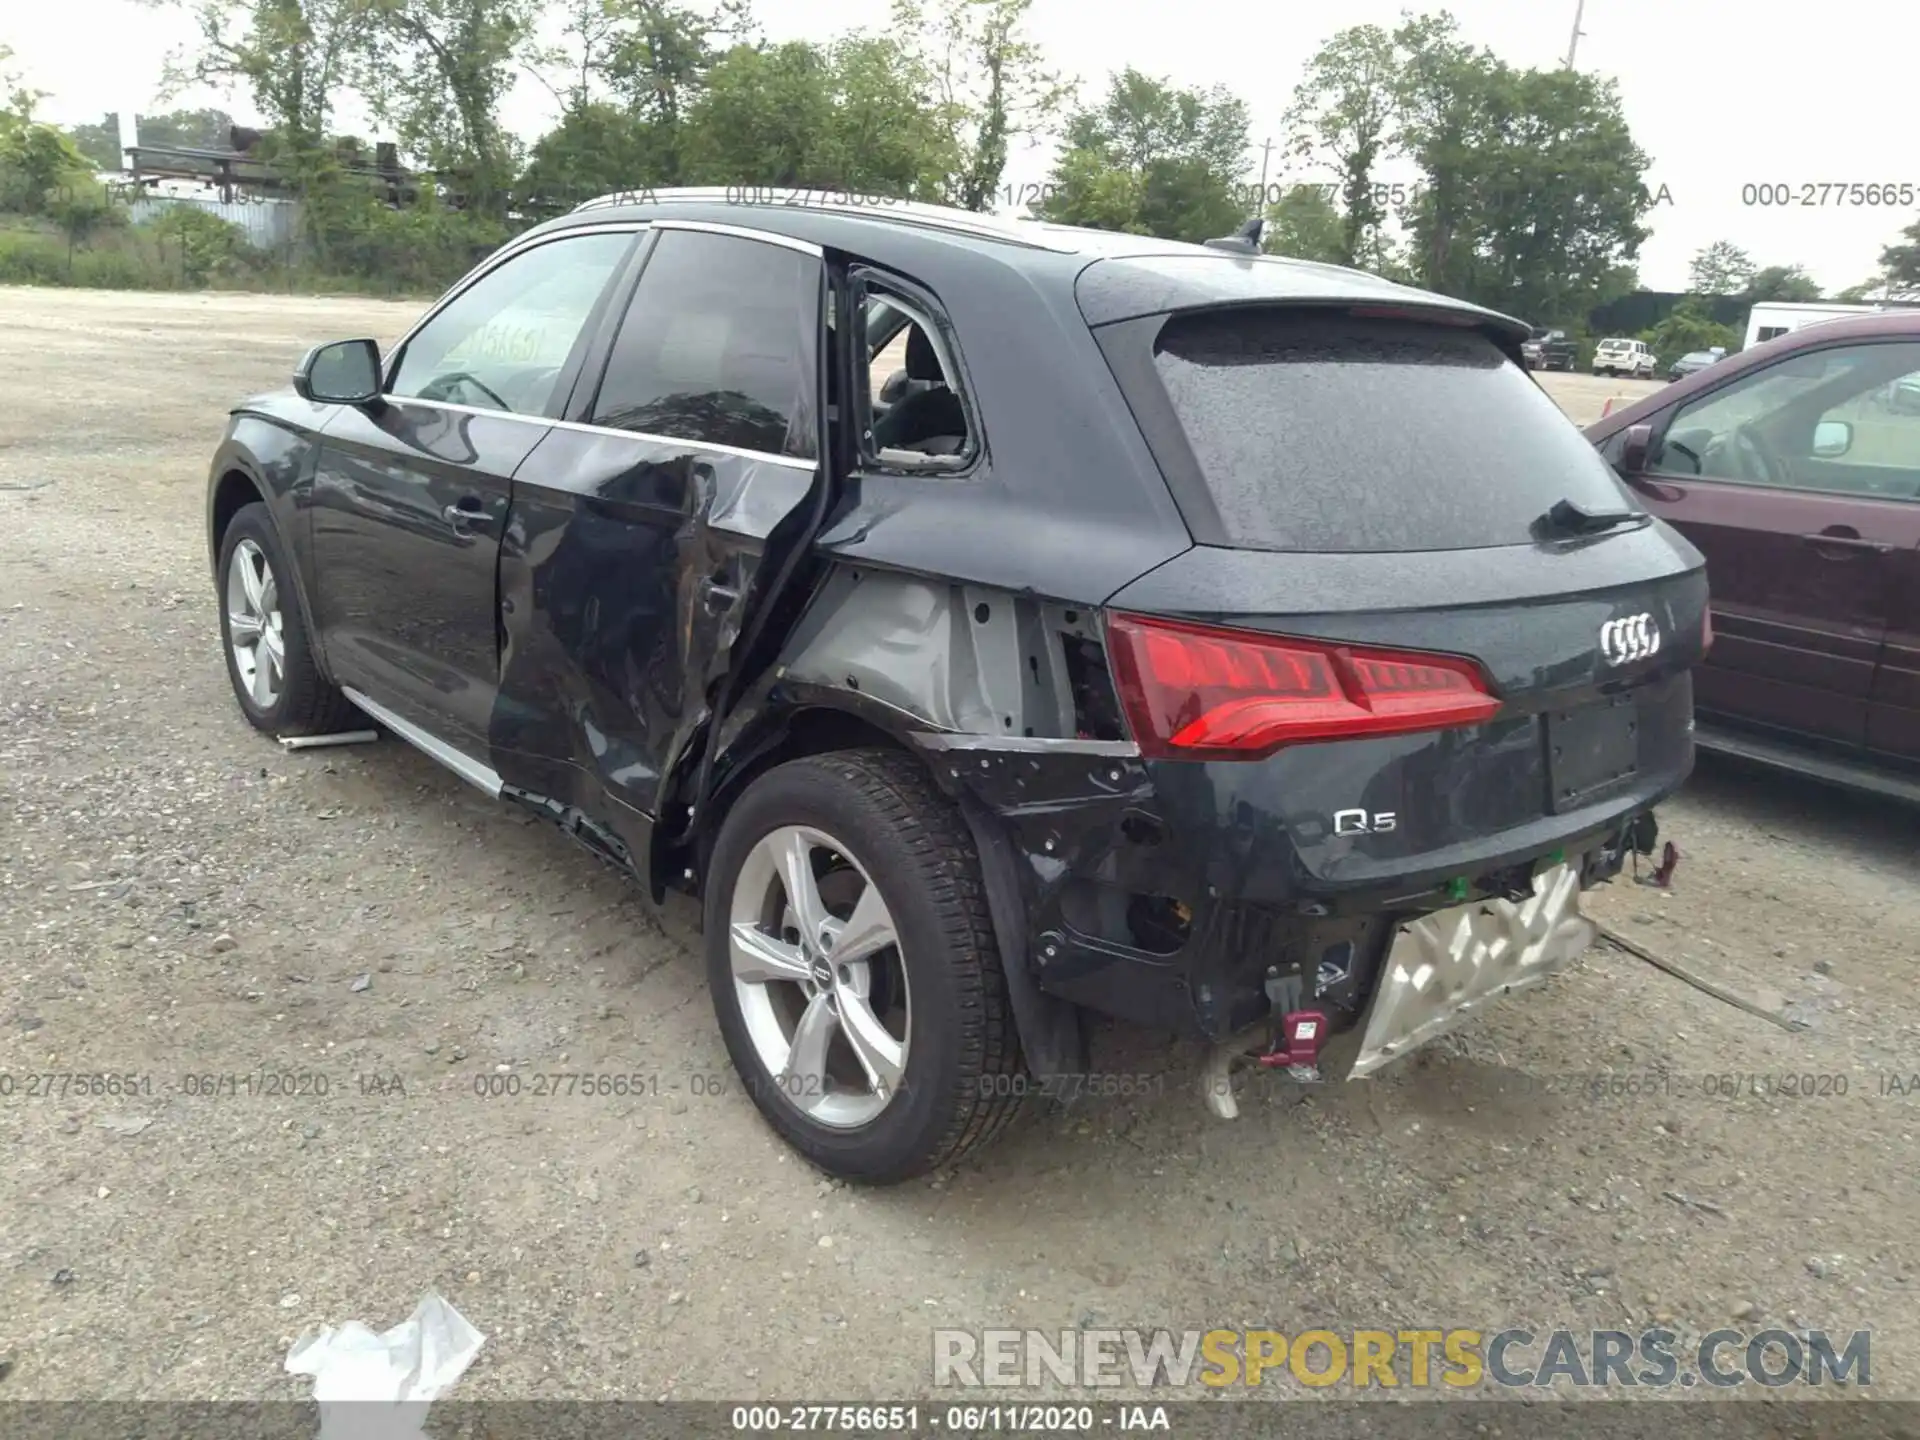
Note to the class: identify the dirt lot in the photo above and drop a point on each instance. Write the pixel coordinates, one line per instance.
(183, 898)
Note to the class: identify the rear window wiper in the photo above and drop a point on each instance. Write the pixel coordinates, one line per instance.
(1565, 517)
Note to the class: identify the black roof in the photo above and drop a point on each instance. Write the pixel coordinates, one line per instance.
(1142, 274)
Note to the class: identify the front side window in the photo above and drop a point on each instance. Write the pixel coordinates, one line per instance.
(720, 345)
(1845, 419)
(501, 343)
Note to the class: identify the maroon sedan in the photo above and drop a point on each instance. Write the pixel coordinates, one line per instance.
(1795, 469)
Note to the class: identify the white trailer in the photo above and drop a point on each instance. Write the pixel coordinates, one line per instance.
(1774, 318)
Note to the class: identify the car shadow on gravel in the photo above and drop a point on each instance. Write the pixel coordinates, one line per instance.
(1787, 807)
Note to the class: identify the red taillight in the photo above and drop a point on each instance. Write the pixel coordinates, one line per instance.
(1199, 692)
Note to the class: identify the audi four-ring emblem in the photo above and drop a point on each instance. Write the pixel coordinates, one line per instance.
(1634, 638)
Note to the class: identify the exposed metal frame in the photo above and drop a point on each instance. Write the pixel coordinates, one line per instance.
(1026, 744)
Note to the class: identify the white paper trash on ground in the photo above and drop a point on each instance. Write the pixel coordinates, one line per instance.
(378, 1387)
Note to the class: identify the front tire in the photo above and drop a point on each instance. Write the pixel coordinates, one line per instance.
(854, 971)
(270, 659)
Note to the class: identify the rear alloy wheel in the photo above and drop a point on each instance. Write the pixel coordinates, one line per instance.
(269, 657)
(853, 967)
(825, 1000)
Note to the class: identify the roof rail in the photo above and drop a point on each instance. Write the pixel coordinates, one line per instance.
(1017, 231)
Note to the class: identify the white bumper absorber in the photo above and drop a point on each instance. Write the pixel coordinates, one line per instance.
(1447, 966)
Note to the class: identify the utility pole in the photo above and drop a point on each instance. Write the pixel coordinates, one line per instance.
(1266, 154)
(1579, 9)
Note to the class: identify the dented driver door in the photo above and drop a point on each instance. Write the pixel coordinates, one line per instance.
(637, 525)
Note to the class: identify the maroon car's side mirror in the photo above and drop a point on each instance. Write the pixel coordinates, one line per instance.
(1634, 447)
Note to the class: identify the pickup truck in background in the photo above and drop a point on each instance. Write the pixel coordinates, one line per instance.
(1550, 350)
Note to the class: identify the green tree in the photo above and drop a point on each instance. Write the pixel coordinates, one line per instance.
(763, 117)
(202, 244)
(853, 115)
(291, 56)
(1448, 109)
(886, 137)
(83, 213)
(1304, 224)
(1153, 160)
(1686, 328)
(438, 70)
(990, 81)
(189, 129)
(1788, 283)
(658, 56)
(17, 98)
(587, 33)
(40, 167)
(1344, 117)
(1900, 263)
(100, 143)
(596, 149)
(1722, 268)
(1532, 192)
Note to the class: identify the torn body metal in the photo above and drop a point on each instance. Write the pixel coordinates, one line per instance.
(1204, 898)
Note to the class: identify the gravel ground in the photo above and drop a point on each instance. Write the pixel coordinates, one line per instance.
(183, 898)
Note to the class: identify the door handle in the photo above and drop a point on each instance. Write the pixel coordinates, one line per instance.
(1852, 543)
(467, 512)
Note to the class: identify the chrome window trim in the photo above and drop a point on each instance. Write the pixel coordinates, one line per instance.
(765, 456)
(513, 249)
(743, 232)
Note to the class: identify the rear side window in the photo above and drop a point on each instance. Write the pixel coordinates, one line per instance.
(1326, 432)
(719, 345)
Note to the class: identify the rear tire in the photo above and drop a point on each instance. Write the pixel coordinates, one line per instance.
(264, 634)
(860, 821)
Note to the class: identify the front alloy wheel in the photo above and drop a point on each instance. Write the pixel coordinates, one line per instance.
(270, 660)
(254, 627)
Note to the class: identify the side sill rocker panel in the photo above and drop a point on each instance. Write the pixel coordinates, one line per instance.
(463, 765)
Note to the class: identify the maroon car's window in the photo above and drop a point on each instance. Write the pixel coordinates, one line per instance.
(1844, 419)
(1330, 433)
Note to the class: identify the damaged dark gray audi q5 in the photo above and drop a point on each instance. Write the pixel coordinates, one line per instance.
(1221, 643)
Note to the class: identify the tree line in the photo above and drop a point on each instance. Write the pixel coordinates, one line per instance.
(1530, 194)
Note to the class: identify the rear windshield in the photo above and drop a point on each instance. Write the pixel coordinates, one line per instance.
(1331, 433)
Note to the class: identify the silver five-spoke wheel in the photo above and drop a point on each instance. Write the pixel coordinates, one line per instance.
(254, 624)
(819, 978)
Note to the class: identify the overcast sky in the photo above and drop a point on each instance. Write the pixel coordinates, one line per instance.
(1720, 95)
